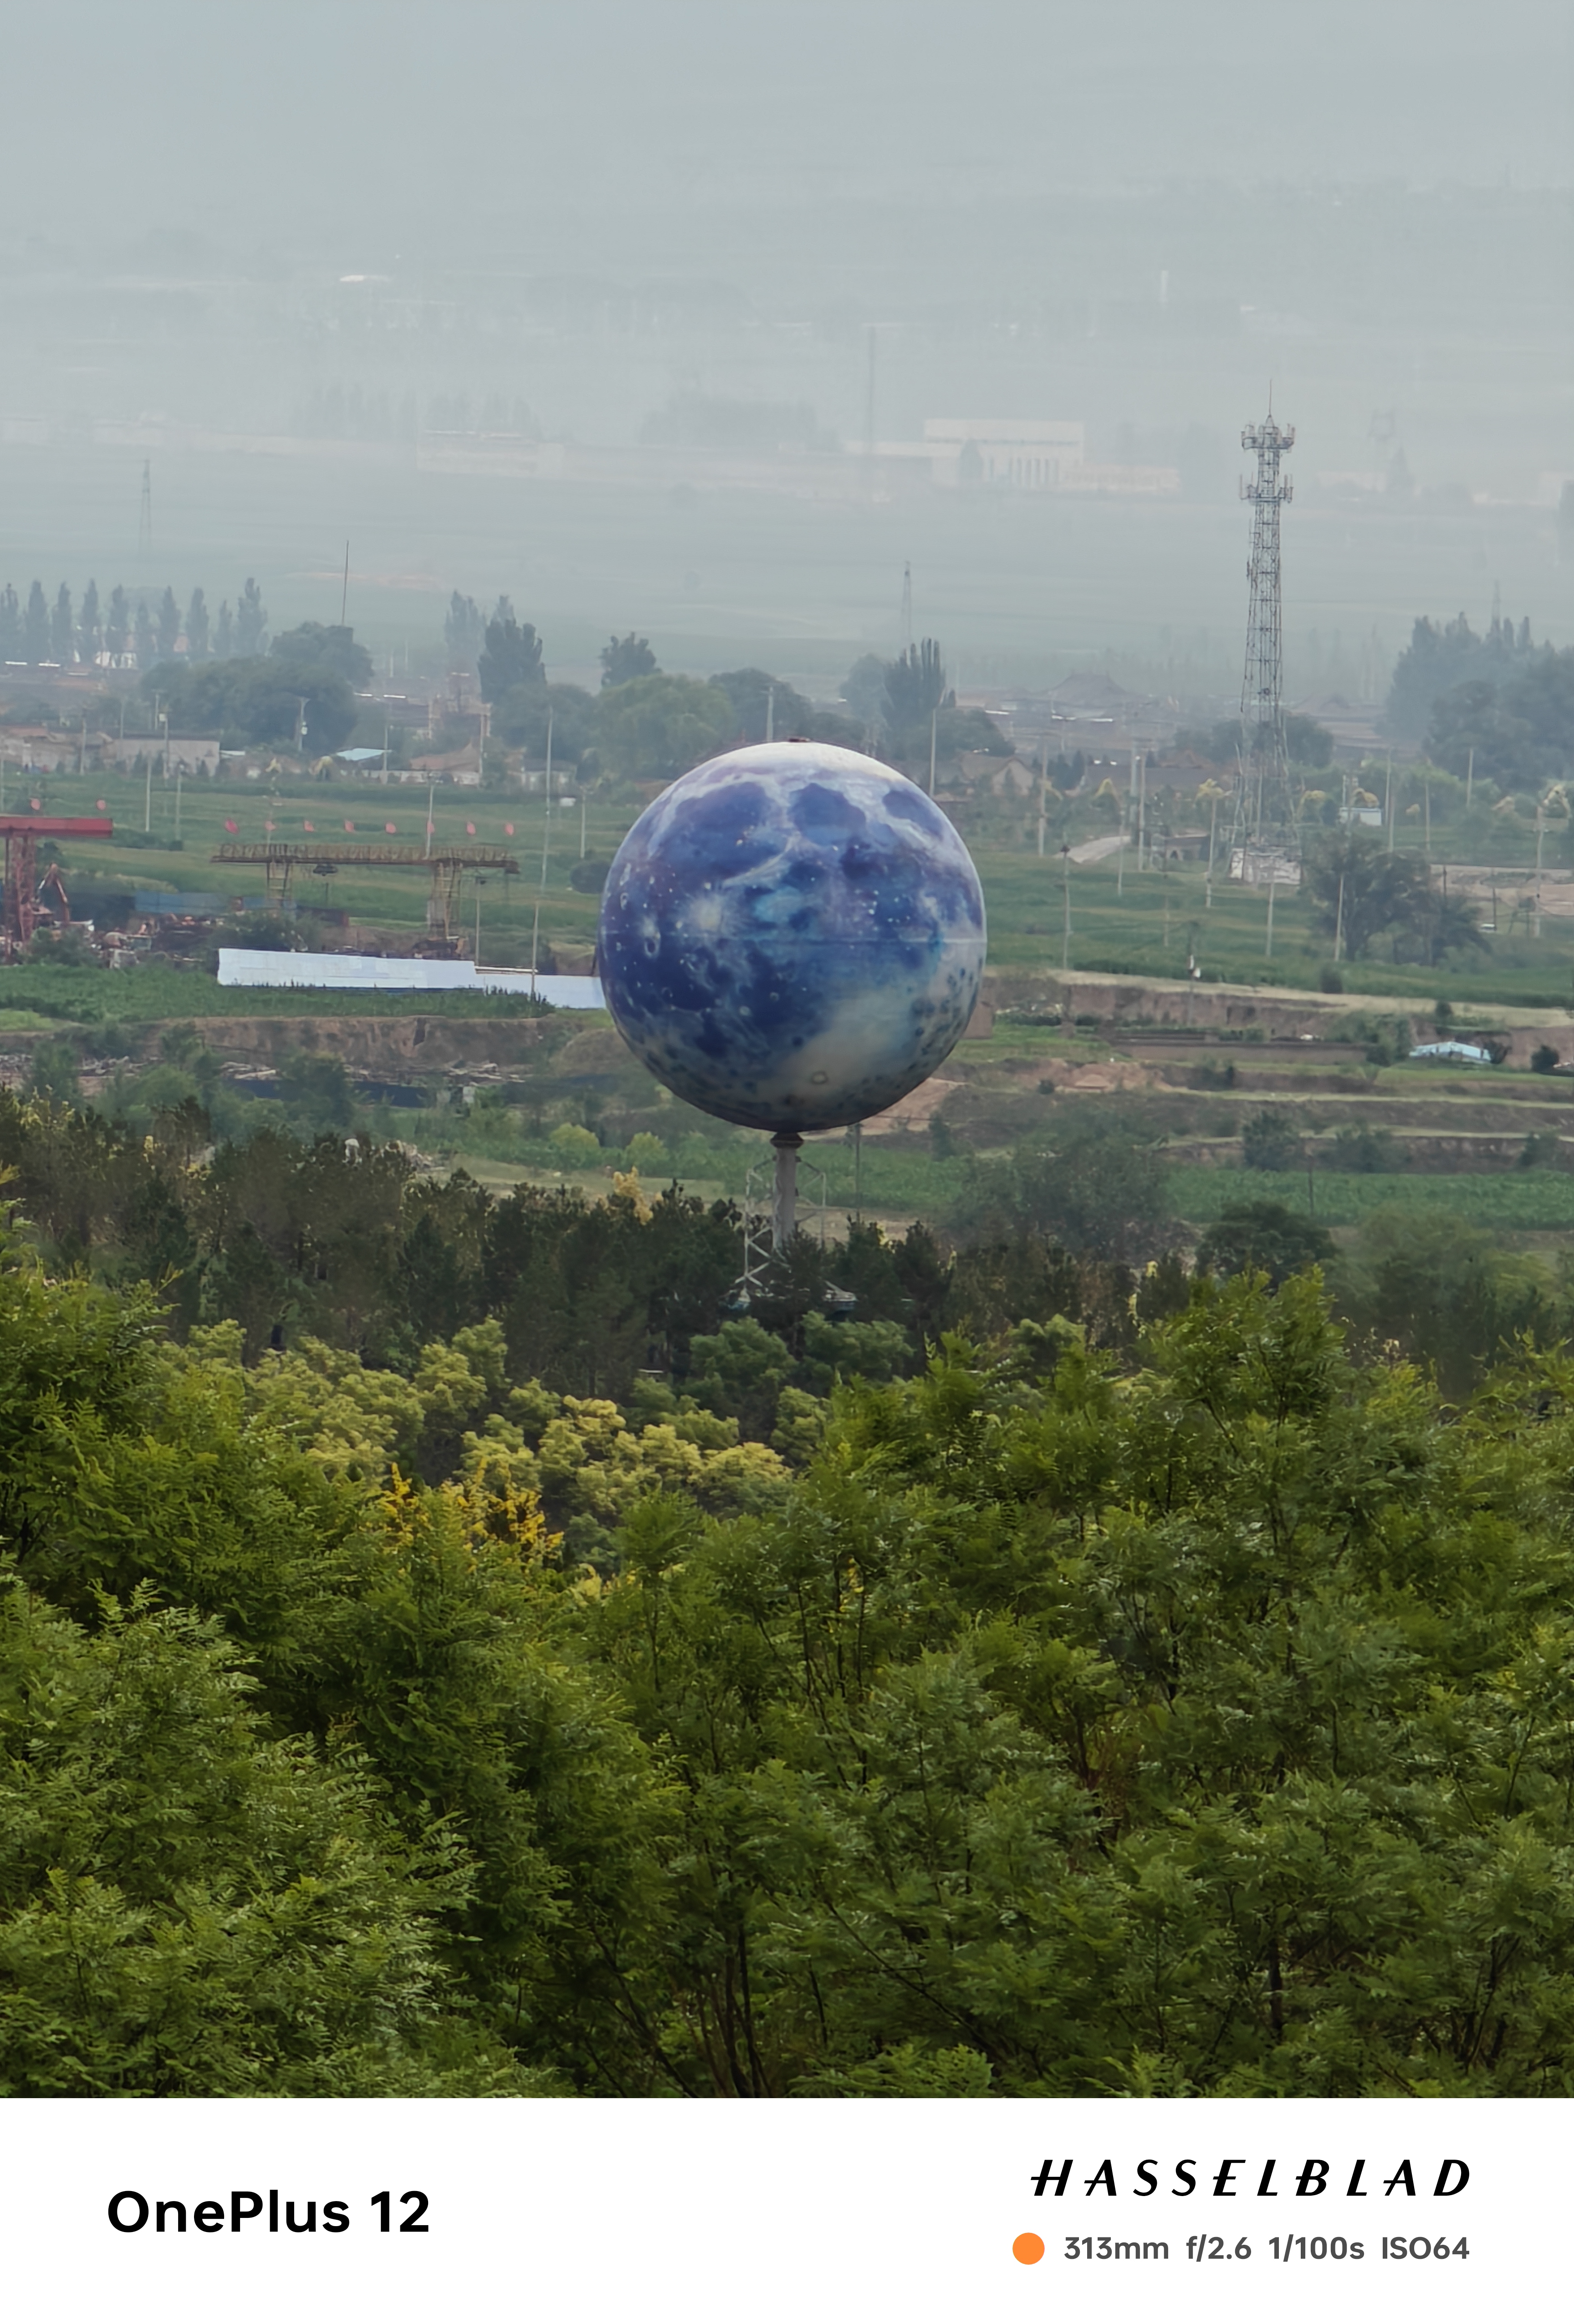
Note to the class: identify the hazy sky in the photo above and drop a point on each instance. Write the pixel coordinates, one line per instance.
(485, 120)
(1132, 213)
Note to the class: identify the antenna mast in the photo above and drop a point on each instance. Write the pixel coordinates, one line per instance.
(1264, 812)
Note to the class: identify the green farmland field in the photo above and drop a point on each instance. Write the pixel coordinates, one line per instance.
(1524, 1202)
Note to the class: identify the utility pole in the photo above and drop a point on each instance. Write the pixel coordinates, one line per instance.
(1066, 894)
(1139, 770)
(1541, 827)
(1268, 948)
(1212, 827)
(547, 819)
(1339, 920)
(869, 407)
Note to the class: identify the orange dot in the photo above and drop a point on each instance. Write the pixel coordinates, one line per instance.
(1029, 2249)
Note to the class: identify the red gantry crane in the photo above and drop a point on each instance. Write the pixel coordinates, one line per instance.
(22, 834)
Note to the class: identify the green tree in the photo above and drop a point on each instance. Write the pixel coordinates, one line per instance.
(62, 628)
(1443, 655)
(167, 625)
(916, 684)
(1307, 744)
(1270, 1140)
(35, 629)
(251, 622)
(1100, 1189)
(191, 1908)
(117, 622)
(196, 627)
(464, 632)
(521, 718)
(1265, 1237)
(52, 1071)
(1358, 892)
(623, 659)
(1359, 1147)
(142, 641)
(89, 629)
(511, 658)
(863, 690)
(314, 646)
(1445, 1292)
(259, 700)
(754, 692)
(657, 727)
(224, 633)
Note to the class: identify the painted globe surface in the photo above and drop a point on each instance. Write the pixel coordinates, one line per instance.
(792, 936)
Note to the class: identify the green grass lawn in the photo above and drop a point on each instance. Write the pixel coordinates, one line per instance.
(1146, 924)
(40, 997)
(395, 899)
(1523, 1201)
(1137, 923)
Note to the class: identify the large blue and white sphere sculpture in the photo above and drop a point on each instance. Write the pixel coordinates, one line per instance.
(791, 937)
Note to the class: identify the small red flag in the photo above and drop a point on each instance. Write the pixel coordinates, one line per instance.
(350, 826)
(308, 826)
(470, 829)
(230, 826)
(36, 804)
(102, 805)
(508, 828)
(267, 826)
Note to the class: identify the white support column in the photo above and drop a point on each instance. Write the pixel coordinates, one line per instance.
(784, 1206)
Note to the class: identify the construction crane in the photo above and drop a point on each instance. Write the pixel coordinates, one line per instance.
(22, 834)
(446, 866)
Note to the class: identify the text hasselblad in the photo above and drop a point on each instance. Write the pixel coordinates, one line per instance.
(1234, 2174)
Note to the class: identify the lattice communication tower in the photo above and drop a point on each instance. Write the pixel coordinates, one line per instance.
(1264, 812)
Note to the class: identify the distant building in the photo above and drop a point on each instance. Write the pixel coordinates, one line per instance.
(1353, 725)
(197, 755)
(1184, 770)
(461, 767)
(1035, 456)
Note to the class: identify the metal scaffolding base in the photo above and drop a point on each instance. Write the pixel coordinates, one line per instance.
(769, 1229)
